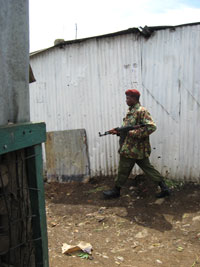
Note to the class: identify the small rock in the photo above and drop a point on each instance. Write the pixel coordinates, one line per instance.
(159, 201)
(141, 251)
(81, 224)
(105, 257)
(53, 224)
(100, 218)
(186, 225)
(158, 261)
(142, 234)
(120, 258)
(197, 218)
(90, 215)
(102, 209)
(135, 245)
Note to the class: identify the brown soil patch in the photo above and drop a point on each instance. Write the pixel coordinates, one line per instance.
(135, 230)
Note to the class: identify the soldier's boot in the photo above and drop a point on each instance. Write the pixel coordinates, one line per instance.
(165, 191)
(112, 193)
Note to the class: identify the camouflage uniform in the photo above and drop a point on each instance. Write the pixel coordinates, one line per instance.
(136, 147)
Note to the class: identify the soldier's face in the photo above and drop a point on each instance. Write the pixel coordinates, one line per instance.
(130, 100)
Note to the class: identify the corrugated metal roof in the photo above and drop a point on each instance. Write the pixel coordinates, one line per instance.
(151, 29)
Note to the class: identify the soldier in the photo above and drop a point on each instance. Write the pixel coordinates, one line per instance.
(136, 147)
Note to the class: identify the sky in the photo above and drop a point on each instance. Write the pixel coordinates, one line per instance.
(74, 19)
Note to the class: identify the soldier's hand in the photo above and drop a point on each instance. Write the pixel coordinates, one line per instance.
(132, 133)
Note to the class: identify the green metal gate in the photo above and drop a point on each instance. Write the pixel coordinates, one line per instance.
(23, 229)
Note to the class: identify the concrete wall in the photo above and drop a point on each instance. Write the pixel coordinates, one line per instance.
(14, 61)
(67, 156)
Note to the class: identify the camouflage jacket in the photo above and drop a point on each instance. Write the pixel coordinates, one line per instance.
(137, 145)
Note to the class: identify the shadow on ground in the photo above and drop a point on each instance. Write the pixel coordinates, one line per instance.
(138, 198)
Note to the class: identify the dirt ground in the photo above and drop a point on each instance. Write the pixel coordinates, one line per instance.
(136, 230)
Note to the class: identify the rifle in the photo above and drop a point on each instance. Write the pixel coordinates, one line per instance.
(122, 132)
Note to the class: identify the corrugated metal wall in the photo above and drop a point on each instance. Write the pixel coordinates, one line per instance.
(82, 85)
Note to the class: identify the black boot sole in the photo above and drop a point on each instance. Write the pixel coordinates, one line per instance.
(163, 194)
(110, 196)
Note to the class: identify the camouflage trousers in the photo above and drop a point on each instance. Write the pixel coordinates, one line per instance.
(126, 165)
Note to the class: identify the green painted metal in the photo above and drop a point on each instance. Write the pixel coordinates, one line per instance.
(35, 180)
(18, 136)
(29, 136)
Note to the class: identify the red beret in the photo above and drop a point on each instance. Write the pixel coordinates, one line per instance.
(132, 92)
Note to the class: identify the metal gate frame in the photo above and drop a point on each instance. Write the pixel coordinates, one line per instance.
(30, 136)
